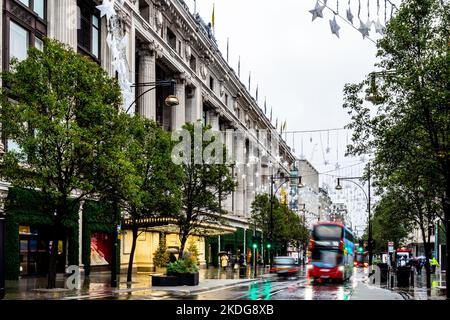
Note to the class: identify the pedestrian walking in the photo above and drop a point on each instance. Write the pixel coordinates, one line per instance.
(419, 266)
(224, 261)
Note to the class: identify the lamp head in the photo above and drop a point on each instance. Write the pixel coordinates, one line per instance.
(172, 101)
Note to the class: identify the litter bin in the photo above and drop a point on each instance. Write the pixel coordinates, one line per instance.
(384, 268)
(403, 275)
(242, 270)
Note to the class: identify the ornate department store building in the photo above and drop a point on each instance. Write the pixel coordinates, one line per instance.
(160, 40)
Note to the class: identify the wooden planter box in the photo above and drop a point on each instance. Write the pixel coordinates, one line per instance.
(167, 281)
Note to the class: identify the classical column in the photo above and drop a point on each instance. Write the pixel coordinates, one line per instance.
(179, 111)
(214, 120)
(228, 141)
(63, 22)
(147, 102)
(241, 178)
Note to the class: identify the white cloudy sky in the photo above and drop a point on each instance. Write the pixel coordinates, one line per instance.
(302, 68)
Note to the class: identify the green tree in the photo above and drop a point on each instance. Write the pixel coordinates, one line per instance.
(57, 106)
(288, 227)
(161, 256)
(205, 182)
(408, 125)
(390, 222)
(156, 177)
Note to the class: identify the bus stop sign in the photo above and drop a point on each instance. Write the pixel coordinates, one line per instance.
(391, 246)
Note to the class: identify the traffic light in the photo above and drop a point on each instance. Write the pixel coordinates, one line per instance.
(360, 249)
(269, 245)
(255, 245)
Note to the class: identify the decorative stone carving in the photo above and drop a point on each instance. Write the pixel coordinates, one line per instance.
(188, 51)
(221, 88)
(203, 71)
(159, 20)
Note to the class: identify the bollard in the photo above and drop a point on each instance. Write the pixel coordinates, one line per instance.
(392, 281)
(412, 278)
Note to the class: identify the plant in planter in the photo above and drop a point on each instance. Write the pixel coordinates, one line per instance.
(193, 250)
(161, 256)
(185, 269)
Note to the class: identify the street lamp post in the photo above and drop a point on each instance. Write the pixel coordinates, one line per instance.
(2, 256)
(272, 182)
(170, 101)
(339, 187)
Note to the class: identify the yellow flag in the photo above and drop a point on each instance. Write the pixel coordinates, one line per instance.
(213, 19)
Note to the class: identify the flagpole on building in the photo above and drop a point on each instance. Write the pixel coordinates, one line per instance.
(239, 67)
(228, 48)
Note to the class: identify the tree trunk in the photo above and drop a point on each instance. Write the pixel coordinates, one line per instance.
(133, 249)
(427, 256)
(447, 236)
(183, 240)
(53, 258)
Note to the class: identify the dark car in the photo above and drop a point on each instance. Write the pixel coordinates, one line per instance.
(284, 266)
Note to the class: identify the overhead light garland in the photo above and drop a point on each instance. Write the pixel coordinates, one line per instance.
(364, 27)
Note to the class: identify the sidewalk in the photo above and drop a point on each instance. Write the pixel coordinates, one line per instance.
(97, 285)
(364, 291)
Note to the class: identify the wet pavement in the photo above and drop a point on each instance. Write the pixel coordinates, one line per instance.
(219, 284)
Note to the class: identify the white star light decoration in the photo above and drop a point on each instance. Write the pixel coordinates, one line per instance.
(379, 28)
(317, 11)
(350, 15)
(334, 27)
(107, 9)
(117, 47)
(364, 29)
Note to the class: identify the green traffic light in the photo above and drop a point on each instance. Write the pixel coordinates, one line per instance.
(360, 249)
(269, 245)
(254, 246)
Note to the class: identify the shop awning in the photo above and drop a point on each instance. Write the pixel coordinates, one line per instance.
(169, 225)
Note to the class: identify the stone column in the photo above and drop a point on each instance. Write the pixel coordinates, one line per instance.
(228, 141)
(146, 103)
(63, 21)
(214, 120)
(179, 111)
(240, 169)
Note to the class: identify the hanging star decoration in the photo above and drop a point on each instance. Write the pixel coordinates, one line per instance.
(334, 27)
(317, 11)
(350, 15)
(363, 29)
(369, 24)
(379, 28)
(107, 9)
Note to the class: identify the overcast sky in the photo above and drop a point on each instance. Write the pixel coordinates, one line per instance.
(302, 68)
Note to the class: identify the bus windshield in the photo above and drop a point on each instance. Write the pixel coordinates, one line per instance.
(327, 232)
(327, 258)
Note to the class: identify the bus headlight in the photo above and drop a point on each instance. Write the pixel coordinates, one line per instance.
(310, 266)
(341, 268)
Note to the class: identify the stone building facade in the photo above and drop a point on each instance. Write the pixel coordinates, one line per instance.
(164, 41)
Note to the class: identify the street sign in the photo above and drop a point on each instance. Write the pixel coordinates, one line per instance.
(391, 246)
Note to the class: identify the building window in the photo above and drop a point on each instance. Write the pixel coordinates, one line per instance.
(239, 113)
(193, 63)
(89, 31)
(38, 6)
(211, 83)
(38, 44)
(144, 10)
(226, 99)
(171, 39)
(179, 47)
(205, 117)
(19, 41)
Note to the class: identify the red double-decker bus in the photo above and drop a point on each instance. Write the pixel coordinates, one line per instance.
(332, 251)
